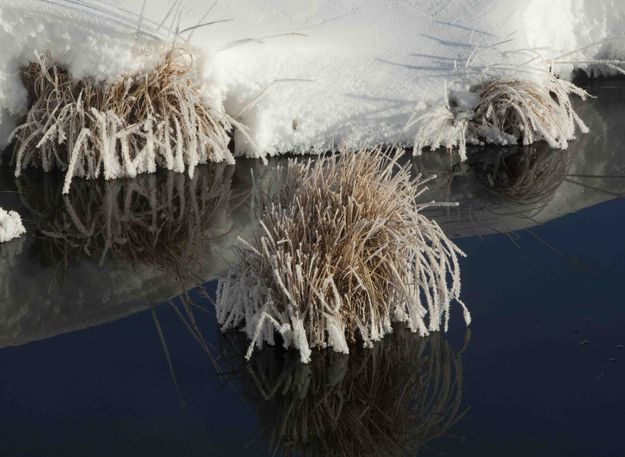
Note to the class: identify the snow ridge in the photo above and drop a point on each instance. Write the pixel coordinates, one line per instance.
(310, 75)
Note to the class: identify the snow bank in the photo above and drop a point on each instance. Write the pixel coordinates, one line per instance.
(304, 75)
(10, 225)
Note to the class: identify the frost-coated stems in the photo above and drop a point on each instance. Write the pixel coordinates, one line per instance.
(531, 112)
(340, 252)
(508, 111)
(121, 129)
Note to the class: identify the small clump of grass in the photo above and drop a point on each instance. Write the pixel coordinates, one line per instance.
(527, 111)
(133, 125)
(504, 111)
(341, 251)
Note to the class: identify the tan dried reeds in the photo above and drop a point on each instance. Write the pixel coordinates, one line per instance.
(504, 111)
(133, 125)
(390, 400)
(341, 250)
(527, 111)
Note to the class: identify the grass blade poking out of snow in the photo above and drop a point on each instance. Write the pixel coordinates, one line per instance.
(120, 129)
(341, 251)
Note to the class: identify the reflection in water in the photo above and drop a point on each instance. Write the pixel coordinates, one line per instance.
(164, 220)
(528, 174)
(112, 248)
(388, 400)
(500, 190)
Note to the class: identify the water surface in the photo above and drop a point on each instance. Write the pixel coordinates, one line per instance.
(109, 348)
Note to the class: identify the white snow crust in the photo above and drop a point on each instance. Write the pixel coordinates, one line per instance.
(305, 75)
(10, 225)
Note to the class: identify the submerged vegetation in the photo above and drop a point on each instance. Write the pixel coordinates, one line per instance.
(341, 250)
(387, 401)
(137, 123)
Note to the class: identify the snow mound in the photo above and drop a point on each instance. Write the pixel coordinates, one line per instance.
(10, 225)
(306, 75)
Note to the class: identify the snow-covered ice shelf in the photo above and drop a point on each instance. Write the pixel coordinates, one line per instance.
(304, 75)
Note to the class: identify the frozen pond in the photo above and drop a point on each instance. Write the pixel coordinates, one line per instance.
(98, 359)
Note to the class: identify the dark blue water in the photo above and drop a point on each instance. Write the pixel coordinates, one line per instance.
(541, 373)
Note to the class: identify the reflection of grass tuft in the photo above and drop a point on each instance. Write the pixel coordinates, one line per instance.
(387, 401)
(162, 219)
(526, 175)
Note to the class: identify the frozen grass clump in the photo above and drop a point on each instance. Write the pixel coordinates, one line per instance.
(529, 111)
(133, 125)
(442, 128)
(340, 252)
(504, 111)
(10, 225)
(389, 401)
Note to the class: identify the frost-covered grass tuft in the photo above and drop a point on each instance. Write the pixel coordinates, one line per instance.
(442, 128)
(340, 252)
(505, 111)
(133, 125)
(10, 225)
(527, 111)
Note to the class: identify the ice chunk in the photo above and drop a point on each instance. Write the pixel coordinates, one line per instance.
(10, 225)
